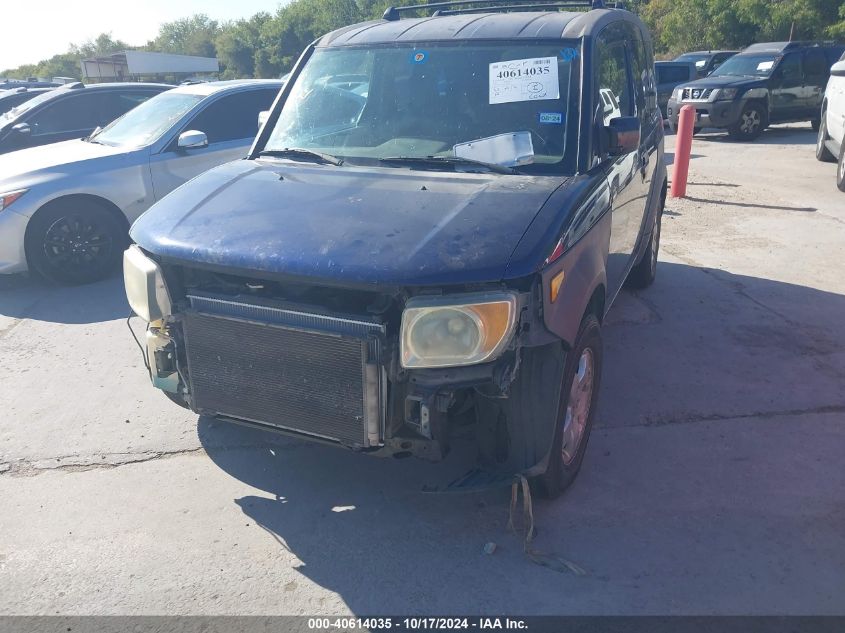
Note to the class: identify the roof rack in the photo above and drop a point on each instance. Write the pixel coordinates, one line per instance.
(490, 6)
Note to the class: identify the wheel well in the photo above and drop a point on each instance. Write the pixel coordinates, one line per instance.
(596, 304)
(79, 198)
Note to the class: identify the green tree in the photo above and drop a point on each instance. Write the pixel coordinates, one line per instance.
(237, 44)
(188, 36)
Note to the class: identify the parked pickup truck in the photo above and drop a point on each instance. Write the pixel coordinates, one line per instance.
(427, 232)
(776, 82)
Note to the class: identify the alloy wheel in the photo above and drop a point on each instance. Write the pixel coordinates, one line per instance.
(751, 121)
(77, 243)
(578, 406)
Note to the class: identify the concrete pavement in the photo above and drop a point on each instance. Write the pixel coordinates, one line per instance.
(713, 483)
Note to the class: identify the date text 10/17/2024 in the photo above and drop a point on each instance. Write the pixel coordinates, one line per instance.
(416, 624)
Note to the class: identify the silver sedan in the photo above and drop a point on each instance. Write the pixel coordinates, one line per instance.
(65, 209)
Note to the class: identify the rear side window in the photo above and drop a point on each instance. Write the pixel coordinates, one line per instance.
(816, 68)
(612, 75)
(73, 113)
(234, 116)
(672, 74)
(9, 102)
(119, 103)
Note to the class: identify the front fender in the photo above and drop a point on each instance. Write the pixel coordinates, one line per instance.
(584, 269)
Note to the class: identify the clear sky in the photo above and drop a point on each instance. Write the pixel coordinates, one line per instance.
(37, 29)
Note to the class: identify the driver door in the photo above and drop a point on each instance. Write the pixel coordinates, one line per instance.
(787, 90)
(616, 96)
(230, 123)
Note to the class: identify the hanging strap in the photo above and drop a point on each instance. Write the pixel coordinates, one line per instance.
(550, 561)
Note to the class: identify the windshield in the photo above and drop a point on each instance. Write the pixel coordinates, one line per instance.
(365, 104)
(146, 123)
(14, 113)
(748, 66)
(700, 61)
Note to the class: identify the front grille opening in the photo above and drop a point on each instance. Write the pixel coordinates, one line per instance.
(328, 298)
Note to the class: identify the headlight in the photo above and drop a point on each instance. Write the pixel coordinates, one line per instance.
(726, 94)
(145, 289)
(458, 330)
(8, 198)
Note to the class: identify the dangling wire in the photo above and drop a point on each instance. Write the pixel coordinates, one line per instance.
(137, 342)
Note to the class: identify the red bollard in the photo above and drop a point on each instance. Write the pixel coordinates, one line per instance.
(683, 146)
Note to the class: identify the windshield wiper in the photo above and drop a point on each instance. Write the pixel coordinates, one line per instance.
(448, 160)
(298, 152)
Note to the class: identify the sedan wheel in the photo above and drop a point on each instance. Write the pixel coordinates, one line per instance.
(75, 245)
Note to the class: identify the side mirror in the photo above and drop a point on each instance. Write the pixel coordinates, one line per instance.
(838, 69)
(192, 139)
(622, 136)
(262, 118)
(22, 129)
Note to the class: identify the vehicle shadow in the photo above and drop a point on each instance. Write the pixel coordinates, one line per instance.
(669, 157)
(664, 504)
(24, 297)
(751, 205)
(783, 134)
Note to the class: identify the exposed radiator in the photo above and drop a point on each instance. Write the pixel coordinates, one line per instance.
(310, 373)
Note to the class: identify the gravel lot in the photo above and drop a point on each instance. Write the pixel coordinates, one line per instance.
(713, 483)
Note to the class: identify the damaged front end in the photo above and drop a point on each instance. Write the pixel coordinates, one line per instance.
(384, 372)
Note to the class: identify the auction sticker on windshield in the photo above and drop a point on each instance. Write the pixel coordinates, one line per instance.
(524, 80)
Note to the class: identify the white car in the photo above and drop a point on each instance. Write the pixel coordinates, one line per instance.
(831, 141)
(66, 208)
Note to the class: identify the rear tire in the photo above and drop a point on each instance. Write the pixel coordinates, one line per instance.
(576, 410)
(840, 170)
(753, 119)
(822, 153)
(75, 243)
(644, 271)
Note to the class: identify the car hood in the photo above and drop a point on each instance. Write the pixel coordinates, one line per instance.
(68, 158)
(349, 224)
(725, 81)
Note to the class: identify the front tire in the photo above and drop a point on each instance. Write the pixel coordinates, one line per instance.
(822, 153)
(752, 121)
(75, 243)
(576, 410)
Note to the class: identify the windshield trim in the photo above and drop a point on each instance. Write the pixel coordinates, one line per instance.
(567, 166)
